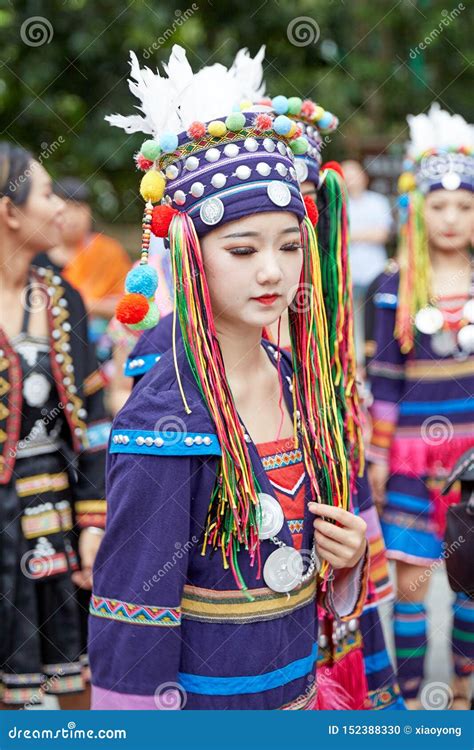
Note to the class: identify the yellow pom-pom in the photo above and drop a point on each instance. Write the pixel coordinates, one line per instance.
(318, 113)
(406, 182)
(246, 104)
(217, 128)
(293, 130)
(152, 186)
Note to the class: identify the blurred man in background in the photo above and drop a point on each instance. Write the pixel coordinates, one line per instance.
(370, 225)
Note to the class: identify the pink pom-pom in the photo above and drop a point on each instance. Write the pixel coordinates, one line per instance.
(263, 122)
(142, 163)
(196, 130)
(298, 131)
(307, 108)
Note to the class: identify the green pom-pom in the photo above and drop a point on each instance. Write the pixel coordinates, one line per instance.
(299, 146)
(294, 105)
(150, 150)
(149, 321)
(235, 121)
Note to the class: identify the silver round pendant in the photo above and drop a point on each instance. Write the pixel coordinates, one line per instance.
(429, 320)
(283, 570)
(466, 338)
(468, 311)
(212, 211)
(279, 193)
(301, 170)
(444, 343)
(270, 517)
(451, 181)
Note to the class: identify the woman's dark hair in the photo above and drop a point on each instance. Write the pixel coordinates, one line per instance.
(72, 189)
(15, 172)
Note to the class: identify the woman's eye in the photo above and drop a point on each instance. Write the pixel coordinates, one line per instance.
(242, 251)
(291, 246)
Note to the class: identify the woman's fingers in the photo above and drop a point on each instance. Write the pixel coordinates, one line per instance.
(344, 517)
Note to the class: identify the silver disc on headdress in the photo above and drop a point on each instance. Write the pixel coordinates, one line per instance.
(444, 343)
(301, 170)
(466, 338)
(429, 320)
(211, 211)
(468, 311)
(279, 193)
(283, 570)
(270, 516)
(451, 181)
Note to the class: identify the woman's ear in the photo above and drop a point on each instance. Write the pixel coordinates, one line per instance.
(9, 214)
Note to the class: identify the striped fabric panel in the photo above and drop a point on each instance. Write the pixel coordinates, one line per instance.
(439, 369)
(209, 605)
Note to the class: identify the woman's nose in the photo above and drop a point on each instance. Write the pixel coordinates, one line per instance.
(270, 270)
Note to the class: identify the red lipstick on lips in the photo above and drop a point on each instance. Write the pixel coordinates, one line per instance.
(266, 299)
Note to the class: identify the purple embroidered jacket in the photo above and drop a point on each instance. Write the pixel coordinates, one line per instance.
(168, 622)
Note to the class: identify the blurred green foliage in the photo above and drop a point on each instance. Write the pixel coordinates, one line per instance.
(363, 62)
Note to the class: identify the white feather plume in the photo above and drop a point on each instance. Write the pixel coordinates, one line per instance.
(169, 104)
(249, 74)
(438, 129)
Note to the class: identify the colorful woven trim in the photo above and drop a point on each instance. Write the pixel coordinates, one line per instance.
(286, 458)
(383, 697)
(90, 513)
(134, 614)
(44, 522)
(98, 435)
(208, 605)
(304, 702)
(39, 483)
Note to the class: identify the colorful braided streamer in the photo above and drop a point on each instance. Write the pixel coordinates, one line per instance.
(332, 231)
(414, 263)
(231, 523)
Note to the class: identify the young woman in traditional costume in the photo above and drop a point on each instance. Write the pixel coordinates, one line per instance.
(422, 376)
(217, 606)
(53, 435)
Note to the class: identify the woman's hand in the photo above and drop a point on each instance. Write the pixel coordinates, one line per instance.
(341, 545)
(377, 475)
(89, 543)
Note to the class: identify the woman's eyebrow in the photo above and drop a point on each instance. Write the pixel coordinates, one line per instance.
(256, 234)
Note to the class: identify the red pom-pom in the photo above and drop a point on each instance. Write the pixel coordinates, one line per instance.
(196, 130)
(266, 101)
(263, 122)
(142, 163)
(298, 131)
(161, 220)
(335, 166)
(307, 108)
(311, 210)
(132, 308)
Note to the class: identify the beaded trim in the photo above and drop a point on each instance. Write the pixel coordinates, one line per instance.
(61, 360)
(164, 443)
(10, 407)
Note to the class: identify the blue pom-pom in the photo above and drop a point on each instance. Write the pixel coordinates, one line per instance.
(325, 120)
(282, 125)
(168, 142)
(280, 104)
(142, 280)
(403, 201)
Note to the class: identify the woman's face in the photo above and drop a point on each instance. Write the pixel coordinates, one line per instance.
(253, 267)
(449, 218)
(308, 188)
(37, 222)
